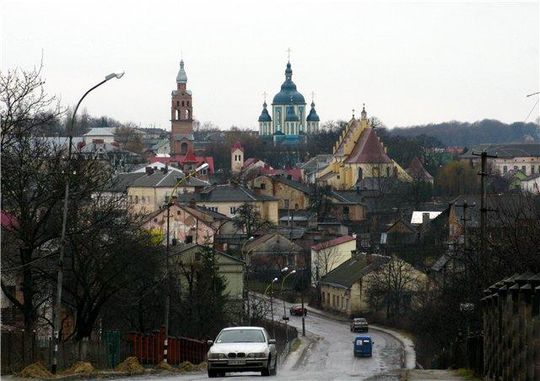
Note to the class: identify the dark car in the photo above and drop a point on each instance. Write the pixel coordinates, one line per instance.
(297, 310)
(359, 325)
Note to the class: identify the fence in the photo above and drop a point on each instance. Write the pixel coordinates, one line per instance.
(148, 348)
(20, 348)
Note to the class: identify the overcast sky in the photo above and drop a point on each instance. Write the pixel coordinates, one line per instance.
(410, 62)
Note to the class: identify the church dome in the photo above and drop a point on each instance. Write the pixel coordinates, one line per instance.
(288, 91)
(182, 76)
(312, 116)
(265, 116)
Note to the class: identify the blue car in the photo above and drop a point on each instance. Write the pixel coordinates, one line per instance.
(363, 346)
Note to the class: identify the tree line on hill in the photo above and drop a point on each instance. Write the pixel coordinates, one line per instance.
(465, 134)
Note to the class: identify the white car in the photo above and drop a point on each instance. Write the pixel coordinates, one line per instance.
(242, 349)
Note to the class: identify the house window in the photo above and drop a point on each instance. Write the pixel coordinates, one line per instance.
(136, 199)
(143, 199)
(532, 169)
(387, 171)
(233, 209)
(286, 204)
(131, 199)
(515, 167)
(323, 296)
(505, 169)
(213, 208)
(263, 185)
(524, 169)
(189, 239)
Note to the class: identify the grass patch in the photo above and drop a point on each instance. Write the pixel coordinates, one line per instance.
(467, 374)
(295, 344)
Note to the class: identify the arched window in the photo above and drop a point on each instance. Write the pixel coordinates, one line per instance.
(183, 148)
(387, 171)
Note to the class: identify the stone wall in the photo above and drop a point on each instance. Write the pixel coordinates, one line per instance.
(512, 329)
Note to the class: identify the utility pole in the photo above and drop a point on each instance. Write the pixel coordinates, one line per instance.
(483, 209)
(465, 206)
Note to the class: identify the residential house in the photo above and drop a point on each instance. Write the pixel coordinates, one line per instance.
(227, 198)
(104, 134)
(271, 252)
(188, 162)
(517, 156)
(327, 255)
(292, 195)
(347, 206)
(148, 193)
(418, 172)
(313, 166)
(189, 224)
(346, 288)
(185, 258)
(531, 184)
(399, 233)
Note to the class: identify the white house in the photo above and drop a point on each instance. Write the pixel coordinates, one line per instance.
(328, 255)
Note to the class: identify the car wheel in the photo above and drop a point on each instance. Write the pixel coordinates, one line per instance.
(212, 373)
(273, 372)
(266, 371)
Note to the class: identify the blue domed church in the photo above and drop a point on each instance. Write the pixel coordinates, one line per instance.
(290, 120)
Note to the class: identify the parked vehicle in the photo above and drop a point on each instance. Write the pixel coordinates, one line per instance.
(242, 349)
(359, 325)
(363, 346)
(297, 310)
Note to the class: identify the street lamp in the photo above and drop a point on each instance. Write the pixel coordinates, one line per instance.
(170, 202)
(60, 277)
(281, 291)
(271, 286)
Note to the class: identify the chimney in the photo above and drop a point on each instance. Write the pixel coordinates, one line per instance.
(149, 170)
(425, 219)
(165, 169)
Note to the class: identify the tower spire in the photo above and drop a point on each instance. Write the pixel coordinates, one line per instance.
(288, 54)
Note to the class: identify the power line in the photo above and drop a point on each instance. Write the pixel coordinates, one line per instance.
(530, 112)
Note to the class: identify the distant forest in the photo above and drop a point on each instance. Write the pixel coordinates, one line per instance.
(468, 134)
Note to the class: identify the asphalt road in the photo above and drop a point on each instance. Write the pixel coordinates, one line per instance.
(328, 356)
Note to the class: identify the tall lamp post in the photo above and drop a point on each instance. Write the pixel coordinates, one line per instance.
(60, 276)
(271, 287)
(170, 202)
(246, 278)
(285, 318)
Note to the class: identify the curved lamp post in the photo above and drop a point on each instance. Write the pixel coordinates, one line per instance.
(60, 277)
(281, 291)
(170, 202)
(271, 287)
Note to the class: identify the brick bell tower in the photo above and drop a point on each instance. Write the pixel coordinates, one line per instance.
(181, 116)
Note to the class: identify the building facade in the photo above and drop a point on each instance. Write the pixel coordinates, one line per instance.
(359, 154)
(290, 118)
(181, 115)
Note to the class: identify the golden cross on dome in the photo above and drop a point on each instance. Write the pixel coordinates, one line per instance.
(289, 54)
(264, 95)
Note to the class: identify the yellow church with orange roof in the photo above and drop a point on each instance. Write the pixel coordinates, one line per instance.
(358, 155)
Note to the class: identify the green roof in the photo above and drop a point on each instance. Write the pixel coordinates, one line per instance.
(352, 270)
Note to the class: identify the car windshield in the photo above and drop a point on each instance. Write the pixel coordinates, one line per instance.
(359, 320)
(241, 336)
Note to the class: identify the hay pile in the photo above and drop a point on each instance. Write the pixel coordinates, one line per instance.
(130, 365)
(186, 366)
(80, 367)
(36, 370)
(164, 366)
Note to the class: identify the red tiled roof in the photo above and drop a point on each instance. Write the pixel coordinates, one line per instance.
(237, 145)
(295, 173)
(368, 149)
(333, 242)
(190, 156)
(249, 162)
(418, 171)
(180, 160)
